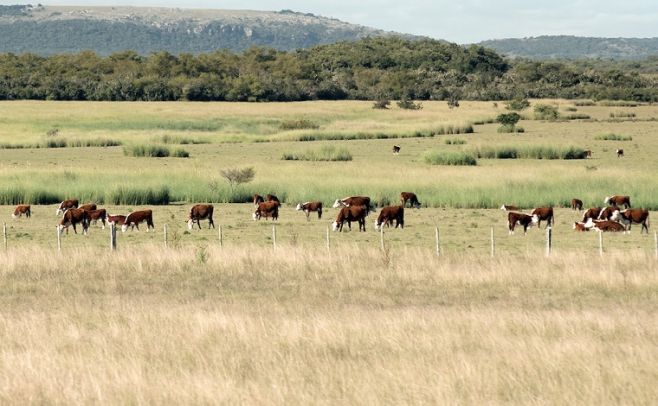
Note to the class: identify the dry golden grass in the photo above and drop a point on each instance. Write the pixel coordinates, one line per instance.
(255, 325)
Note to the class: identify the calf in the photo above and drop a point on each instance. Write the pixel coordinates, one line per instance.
(200, 212)
(258, 199)
(606, 214)
(95, 215)
(522, 219)
(73, 217)
(543, 213)
(620, 153)
(576, 204)
(411, 198)
(350, 214)
(354, 201)
(580, 226)
(65, 205)
(630, 216)
(388, 214)
(116, 219)
(618, 200)
(507, 207)
(22, 209)
(605, 226)
(88, 206)
(588, 153)
(272, 198)
(308, 207)
(592, 213)
(267, 210)
(133, 219)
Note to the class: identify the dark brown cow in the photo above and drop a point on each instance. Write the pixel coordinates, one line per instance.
(22, 209)
(66, 204)
(88, 206)
(588, 153)
(200, 212)
(258, 199)
(620, 153)
(576, 204)
(116, 219)
(133, 219)
(592, 213)
(508, 207)
(350, 214)
(396, 149)
(543, 213)
(522, 219)
(308, 207)
(95, 215)
(411, 198)
(267, 210)
(580, 226)
(618, 200)
(73, 217)
(606, 226)
(606, 214)
(272, 198)
(354, 201)
(388, 214)
(630, 216)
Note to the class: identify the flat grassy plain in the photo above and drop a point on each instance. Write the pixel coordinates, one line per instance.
(246, 323)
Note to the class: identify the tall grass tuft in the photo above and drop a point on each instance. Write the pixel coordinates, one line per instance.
(530, 152)
(449, 158)
(301, 124)
(326, 153)
(176, 139)
(127, 195)
(622, 114)
(152, 151)
(613, 137)
(454, 141)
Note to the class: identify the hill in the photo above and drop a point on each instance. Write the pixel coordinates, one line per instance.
(571, 47)
(47, 30)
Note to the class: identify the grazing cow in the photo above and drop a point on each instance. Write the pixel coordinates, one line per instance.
(588, 153)
(606, 226)
(396, 149)
(66, 204)
(116, 219)
(88, 206)
(272, 198)
(630, 216)
(350, 214)
(411, 198)
(308, 207)
(95, 215)
(522, 219)
(592, 213)
(606, 214)
(200, 212)
(22, 209)
(576, 204)
(543, 213)
(267, 210)
(618, 200)
(388, 214)
(133, 219)
(73, 217)
(507, 207)
(258, 199)
(620, 153)
(354, 201)
(580, 226)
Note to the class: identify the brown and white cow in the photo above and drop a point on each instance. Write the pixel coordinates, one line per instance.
(272, 198)
(117, 219)
(630, 216)
(354, 201)
(95, 215)
(543, 213)
(350, 214)
(388, 214)
(65, 205)
(618, 200)
(88, 206)
(141, 216)
(22, 209)
(411, 198)
(592, 213)
(606, 214)
(396, 149)
(200, 212)
(522, 219)
(588, 153)
(580, 226)
(308, 207)
(620, 153)
(509, 207)
(267, 210)
(258, 199)
(606, 226)
(73, 217)
(576, 204)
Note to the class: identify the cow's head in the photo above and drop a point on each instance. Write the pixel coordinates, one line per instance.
(607, 200)
(190, 224)
(335, 225)
(503, 208)
(256, 215)
(338, 203)
(124, 227)
(299, 207)
(589, 223)
(377, 224)
(615, 215)
(59, 210)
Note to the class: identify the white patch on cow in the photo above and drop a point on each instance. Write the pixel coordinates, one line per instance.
(335, 226)
(299, 206)
(503, 208)
(615, 215)
(607, 200)
(535, 219)
(190, 224)
(58, 211)
(124, 228)
(14, 216)
(377, 224)
(338, 203)
(254, 216)
(589, 223)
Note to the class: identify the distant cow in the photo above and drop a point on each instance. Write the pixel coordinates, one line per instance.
(396, 149)
(522, 219)
(65, 205)
(576, 204)
(308, 207)
(258, 199)
(588, 153)
(141, 216)
(630, 216)
(411, 198)
(606, 214)
(388, 214)
(116, 219)
(272, 198)
(200, 212)
(95, 215)
(618, 200)
(592, 213)
(88, 206)
(354, 201)
(606, 226)
(73, 217)
(22, 209)
(267, 210)
(543, 213)
(507, 207)
(580, 226)
(350, 214)
(620, 153)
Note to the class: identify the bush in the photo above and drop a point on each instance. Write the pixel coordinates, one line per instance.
(454, 141)
(584, 103)
(509, 119)
(517, 104)
(570, 109)
(618, 103)
(546, 112)
(326, 153)
(613, 137)
(407, 104)
(531, 152)
(622, 114)
(381, 104)
(180, 153)
(506, 128)
(577, 116)
(449, 158)
(152, 151)
(301, 124)
(171, 139)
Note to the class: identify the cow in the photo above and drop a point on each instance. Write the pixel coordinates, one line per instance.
(618, 200)
(73, 217)
(396, 149)
(308, 207)
(88, 206)
(580, 226)
(522, 219)
(606, 214)
(350, 214)
(95, 215)
(507, 207)
(258, 199)
(576, 204)
(630, 216)
(22, 209)
(267, 210)
(606, 226)
(411, 198)
(116, 219)
(588, 153)
(592, 213)
(620, 153)
(200, 212)
(66, 204)
(388, 214)
(543, 213)
(354, 201)
(272, 198)
(133, 219)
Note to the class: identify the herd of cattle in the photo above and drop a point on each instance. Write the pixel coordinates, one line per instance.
(355, 209)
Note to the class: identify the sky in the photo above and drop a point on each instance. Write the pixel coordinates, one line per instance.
(461, 21)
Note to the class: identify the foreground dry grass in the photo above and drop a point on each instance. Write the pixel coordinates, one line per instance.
(253, 325)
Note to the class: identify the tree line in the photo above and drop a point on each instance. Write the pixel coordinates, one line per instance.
(369, 69)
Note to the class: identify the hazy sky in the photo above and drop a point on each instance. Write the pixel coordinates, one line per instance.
(460, 21)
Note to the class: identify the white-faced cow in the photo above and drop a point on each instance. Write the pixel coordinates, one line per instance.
(65, 205)
(508, 207)
(95, 215)
(200, 212)
(267, 210)
(576, 204)
(588, 153)
(630, 216)
(620, 153)
(73, 217)
(354, 201)
(141, 216)
(309, 207)
(606, 226)
(543, 213)
(117, 219)
(350, 214)
(522, 219)
(411, 198)
(388, 214)
(592, 213)
(396, 149)
(606, 214)
(580, 226)
(272, 198)
(22, 209)
(618, 200)
(258, 199)
(88, 206)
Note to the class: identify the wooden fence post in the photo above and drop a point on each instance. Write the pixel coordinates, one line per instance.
(274, 236)
(59, 239)
(113, 237)
(381, 237)
(221, 237)
(165, 235)
(549, 241)
(328, 244)
(493, 243)
(438, 242)
(601, 243)
(655, 240)
(4, 234)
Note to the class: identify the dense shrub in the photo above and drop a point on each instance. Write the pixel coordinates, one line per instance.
(407, 104)
(530, 152)
(517, 104)
(546, 112)
(454, 141)
(301, 124)
(152, 151)
(449, 158)
(613, 137)
(326, 153)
